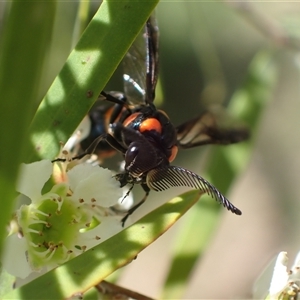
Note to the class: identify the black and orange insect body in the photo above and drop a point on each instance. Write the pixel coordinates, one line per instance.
(146, 137)
(102, 114)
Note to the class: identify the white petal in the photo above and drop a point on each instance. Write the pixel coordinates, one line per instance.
(99, 186)
(14, 259)
(280, 275)
(297, 260)
(32, 178)
(295, 276)
(109, 227)
(80, 172)
(22, 281)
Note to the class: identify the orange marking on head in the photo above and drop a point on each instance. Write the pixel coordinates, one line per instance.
(150, 124)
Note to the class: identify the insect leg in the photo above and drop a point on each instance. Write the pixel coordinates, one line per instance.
(151, 60)
(109, 139)
(135, 207)
(90, 150)
(120, 103)
(117, 100)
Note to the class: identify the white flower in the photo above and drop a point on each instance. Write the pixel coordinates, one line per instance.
(284, 284)
(62, 223)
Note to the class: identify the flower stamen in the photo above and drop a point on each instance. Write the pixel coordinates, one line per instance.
(40, 233)
(37, 211)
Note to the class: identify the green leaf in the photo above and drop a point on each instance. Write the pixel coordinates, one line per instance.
(88, 68)
(25, 40)
(83, 272)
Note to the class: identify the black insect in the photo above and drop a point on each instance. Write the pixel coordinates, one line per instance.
(145, 136)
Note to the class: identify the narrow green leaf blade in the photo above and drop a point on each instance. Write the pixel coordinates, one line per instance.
(87, 70)
(25, 40)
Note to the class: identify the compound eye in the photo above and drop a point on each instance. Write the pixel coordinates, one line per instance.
(150, 124)
(131, 154)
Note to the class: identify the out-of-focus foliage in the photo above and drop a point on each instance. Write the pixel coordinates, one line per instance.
(24, 46)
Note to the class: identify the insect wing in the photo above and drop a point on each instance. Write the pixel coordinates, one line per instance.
(140, 65)
(210, 128)
(152, 58)
(134, 65)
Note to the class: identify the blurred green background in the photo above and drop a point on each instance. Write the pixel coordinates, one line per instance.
(211, 53)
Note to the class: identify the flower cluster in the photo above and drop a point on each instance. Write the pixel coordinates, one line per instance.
(285, 284)
(277, 282)
(61, 223)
